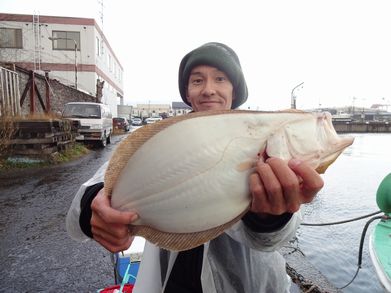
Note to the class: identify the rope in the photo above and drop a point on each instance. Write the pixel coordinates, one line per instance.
(361, 246)
(341, 222)
(384, 217)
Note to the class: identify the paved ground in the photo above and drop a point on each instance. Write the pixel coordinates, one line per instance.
(36, 254)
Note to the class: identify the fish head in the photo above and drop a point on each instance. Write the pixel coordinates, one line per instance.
(309, 137)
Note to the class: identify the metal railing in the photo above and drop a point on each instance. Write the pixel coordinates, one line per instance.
(9, 93)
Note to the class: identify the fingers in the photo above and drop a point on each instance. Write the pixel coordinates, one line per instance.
(260, 202)
(311, 183)
(113, 237)
(285, 184)
(102, 206)
(113, 247)
(277, 187)
(266, 191)
(110, 227)
(112, 230)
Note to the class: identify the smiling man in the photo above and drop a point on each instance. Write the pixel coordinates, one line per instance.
(211, 78)
(245, 257)
(209, 89)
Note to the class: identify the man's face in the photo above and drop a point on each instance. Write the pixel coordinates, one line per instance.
(209, 89)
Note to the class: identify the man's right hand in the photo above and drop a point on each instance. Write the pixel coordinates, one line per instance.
(110, 227)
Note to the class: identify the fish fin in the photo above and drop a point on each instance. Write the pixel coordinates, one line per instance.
(181, 241)
(244, 166)
(321, 169)
(292, 111)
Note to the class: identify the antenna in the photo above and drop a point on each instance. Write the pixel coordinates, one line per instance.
(37, 41)
(100, 2)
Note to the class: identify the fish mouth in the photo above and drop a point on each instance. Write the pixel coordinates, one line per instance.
(262, 155)
(330, 158)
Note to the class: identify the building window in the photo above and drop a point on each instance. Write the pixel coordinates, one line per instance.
(11, 38)
(110, 64)
(63, 40)
(97, 46)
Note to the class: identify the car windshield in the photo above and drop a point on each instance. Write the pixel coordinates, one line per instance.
(81, 111)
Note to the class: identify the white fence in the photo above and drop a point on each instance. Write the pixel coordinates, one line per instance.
(9, 93)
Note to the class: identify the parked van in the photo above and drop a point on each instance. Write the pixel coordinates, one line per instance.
(95, 120)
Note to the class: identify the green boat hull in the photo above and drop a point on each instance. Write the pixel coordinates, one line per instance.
(380, 251)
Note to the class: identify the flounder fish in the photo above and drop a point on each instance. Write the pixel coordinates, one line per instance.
(187, 176)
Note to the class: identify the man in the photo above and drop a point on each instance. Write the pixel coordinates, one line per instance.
(244, 258)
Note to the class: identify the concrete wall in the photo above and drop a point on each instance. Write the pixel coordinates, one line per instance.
(360, 127)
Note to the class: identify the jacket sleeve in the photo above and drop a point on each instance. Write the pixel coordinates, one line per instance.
(270, 224)
(270, 239)
(73, 219)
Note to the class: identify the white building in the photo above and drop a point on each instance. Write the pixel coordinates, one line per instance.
(74, 50)
(164, 110)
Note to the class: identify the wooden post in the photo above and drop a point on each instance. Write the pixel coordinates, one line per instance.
(17, 97)
(47, 92)
(32, 94)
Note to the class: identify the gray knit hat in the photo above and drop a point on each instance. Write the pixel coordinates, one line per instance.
(220, 56)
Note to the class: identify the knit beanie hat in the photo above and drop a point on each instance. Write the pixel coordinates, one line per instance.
(220, 56)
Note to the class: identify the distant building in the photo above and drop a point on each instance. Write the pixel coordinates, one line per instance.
(151, 110)
(74, 50)
(163, 110)
(358, 114)
(180, 108)
(124, 111)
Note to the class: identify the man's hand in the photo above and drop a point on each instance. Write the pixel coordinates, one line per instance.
(110, 227)
(277, 187)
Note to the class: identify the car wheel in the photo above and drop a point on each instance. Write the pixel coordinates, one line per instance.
(108, 140)
(103, 141)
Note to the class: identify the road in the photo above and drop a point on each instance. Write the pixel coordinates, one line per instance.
(36, 253)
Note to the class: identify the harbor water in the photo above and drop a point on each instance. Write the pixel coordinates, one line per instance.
(349, 192)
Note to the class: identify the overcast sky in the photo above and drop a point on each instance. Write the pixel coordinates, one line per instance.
(340, 49)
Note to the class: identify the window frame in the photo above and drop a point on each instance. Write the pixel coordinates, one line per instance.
(98, 46)
(70, 45)
(17, 38)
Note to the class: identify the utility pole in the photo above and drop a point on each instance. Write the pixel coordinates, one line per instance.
(353, 100)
